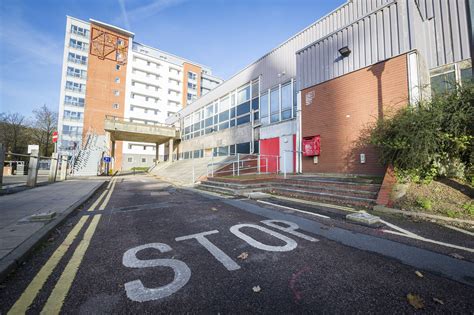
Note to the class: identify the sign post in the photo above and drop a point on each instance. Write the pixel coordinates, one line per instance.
(107, 160)
(55, 141)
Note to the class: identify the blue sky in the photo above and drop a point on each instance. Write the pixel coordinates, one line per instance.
(225, 35)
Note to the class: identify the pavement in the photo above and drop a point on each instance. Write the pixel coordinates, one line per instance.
(19, 234)
(141, 245)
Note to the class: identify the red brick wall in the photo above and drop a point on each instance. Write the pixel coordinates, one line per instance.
(101, 74)
(341, 110)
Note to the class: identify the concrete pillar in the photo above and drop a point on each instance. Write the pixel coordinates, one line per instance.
(2, 160)
(63, 167)
(157, 153)
(53, 171)
(33, 169)
(171, 150)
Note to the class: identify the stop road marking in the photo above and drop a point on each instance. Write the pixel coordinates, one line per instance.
(136, 291)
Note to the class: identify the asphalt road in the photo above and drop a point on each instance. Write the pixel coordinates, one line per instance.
(137, 251)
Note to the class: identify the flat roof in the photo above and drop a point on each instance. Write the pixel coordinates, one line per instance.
(112, 27)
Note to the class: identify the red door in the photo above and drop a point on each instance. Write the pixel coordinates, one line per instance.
(269, 155)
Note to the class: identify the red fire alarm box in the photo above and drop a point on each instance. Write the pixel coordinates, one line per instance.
(311, 146)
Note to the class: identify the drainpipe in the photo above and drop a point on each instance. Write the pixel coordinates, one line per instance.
(299, 167)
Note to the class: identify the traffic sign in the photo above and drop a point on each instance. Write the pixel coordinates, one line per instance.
(55, 137)
(107, 159)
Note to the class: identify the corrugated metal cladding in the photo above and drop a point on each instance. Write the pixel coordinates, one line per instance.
(282, 58)
(438, 29)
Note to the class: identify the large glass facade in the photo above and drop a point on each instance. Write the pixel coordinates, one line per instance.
(242, 106)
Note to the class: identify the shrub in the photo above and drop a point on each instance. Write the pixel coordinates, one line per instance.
(425, 203)
(430, 139)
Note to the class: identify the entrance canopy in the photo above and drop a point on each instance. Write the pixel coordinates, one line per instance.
(123, 129)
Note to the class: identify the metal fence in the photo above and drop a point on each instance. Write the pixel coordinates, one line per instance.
(245, 164)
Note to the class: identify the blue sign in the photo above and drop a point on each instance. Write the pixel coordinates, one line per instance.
(107, 159)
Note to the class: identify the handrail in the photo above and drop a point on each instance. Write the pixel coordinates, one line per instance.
(33, 156)
(133, 121)
(239, 164)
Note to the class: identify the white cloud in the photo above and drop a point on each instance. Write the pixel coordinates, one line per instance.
(146, 10)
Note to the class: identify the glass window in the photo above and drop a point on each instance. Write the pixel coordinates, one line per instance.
(209, 111)
(255, 103)
(255, 88)
(243, 108)
(274, 105)
(295, 99)
(243, 148)
(443, 83)
(243, 120)
(286, 101)
(223, 151)
(264, 108)
(286, 97)
(466, 75)
(224, 125)
(243, 94)
(224, 116)
(256, 147)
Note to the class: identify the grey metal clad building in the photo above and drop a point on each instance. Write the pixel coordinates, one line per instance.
(270, 73)
(437, 29)
(259, 102)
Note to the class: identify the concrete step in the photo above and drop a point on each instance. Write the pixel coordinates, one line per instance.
(358, 190)
(320, 182)
(326, 197)
(216, 189)
(353, 191)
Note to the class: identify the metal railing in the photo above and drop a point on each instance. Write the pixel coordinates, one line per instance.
(78, 61)
(76, 75)
(79, 47)
(75, 89)
(74, 103)
(245, 164)
(35, 163)
(136, 121)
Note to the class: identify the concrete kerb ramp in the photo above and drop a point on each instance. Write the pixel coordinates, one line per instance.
(121, 129)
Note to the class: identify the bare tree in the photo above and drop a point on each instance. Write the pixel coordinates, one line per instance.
(12, 130)
(44, 124)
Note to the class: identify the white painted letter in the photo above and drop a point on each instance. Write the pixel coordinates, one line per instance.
(135, 289)
(213, 249)
(290, 244)
(291, 229)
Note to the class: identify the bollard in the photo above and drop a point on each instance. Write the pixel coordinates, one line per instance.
(53, 170)
(2, 160)
(33, 169)
(63, 167)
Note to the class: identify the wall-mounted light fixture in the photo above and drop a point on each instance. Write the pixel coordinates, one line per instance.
(344, 51)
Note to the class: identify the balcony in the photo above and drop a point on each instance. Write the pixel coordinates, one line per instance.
(79, 47)
(75, 104)
(76, 75)
(85, 35)
(75, 89)
(77, 61)
(74, 119)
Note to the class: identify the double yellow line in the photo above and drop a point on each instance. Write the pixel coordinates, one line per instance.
(56, 299)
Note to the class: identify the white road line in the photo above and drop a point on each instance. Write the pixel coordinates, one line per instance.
(459, 230)
(393, 226)
(416, 237)
(289, 208)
